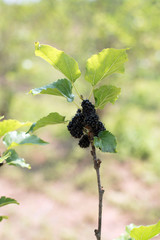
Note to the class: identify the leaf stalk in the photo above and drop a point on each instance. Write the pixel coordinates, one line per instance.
(91, 92)
(79, 95)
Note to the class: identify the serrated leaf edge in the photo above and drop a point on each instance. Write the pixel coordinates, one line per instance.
(99, 106)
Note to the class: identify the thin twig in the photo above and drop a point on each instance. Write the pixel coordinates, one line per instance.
(97, 163)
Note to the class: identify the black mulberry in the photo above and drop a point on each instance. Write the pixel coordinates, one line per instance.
(84, 141)
(91, 120)
(87, 108)
(75, 126)
(98, 128)
(85, 118)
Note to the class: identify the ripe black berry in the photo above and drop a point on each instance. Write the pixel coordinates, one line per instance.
(91, 120)
(98, 128)
(84, 141)
(79, 111)
(75, 126)
(87, 107)
(85, 119)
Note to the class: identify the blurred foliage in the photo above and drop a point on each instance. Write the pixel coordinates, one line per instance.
(82, 28)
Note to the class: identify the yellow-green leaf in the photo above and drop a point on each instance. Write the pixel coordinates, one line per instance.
(3, 217)
(105, 94)
(105, 63)
(59, 60)
(11, 125)
(145, 232)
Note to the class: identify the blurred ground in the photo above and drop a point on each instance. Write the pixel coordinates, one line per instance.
(59, 210)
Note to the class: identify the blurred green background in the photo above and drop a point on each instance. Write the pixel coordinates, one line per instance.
(61, 170)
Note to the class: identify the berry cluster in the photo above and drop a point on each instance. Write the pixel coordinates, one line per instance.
(85, 120)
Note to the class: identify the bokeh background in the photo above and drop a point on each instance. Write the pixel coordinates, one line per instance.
(58, 196)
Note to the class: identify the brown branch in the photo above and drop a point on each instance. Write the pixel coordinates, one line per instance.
(97, 163)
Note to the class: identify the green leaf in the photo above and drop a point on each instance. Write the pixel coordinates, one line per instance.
(4, 157)
(106, 142)
(105, 63)
(145, 232)
(13, 139)
(61, 87)
(130, 227)
(11, 125)
(1, 117)
(105, 94)
(5, 201)
(126, 235)
(15, 160)
(59, 60)
(3, 217)
(52, 118)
